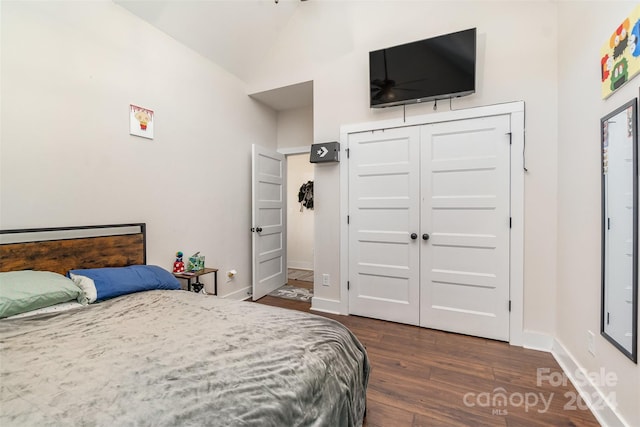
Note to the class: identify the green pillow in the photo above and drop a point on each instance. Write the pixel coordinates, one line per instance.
(27, 290)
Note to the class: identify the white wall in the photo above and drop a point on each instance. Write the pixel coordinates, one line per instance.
(300, 224)
(295, 127)
(579, 192)
(69, 72)
(328, 42)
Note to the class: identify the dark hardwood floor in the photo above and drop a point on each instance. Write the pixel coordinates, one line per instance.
(423, 377)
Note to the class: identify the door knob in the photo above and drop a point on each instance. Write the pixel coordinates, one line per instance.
(414, 236)
(425, 236)
(259, 229)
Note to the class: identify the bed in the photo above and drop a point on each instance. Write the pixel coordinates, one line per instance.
(166, 357)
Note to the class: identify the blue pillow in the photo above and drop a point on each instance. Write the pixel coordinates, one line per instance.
(115, 281)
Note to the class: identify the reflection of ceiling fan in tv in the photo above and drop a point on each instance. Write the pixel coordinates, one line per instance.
(385, 90)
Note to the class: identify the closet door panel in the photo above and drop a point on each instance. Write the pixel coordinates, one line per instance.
(384, 180)
(465, 211)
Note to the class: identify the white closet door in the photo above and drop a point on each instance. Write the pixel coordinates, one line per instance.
(465, 212)
(384, 180)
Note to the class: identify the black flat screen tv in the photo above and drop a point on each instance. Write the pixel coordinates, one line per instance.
(436, 68)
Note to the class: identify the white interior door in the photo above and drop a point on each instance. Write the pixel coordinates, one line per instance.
(465, 213)
(268, 221)
(384, 180)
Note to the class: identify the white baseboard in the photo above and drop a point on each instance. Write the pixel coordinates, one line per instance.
(300, 265)
(606, 415)
(239, 295)
(537, 341)
(325, 305)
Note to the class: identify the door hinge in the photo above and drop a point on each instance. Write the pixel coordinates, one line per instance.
(510, 222)
(348, 219)
(348, 285)
(347, 150)
(510, 135)
(608, 317)
(509, 306)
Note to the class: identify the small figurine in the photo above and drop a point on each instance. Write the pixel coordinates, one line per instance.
(178, 266)
(196, 262)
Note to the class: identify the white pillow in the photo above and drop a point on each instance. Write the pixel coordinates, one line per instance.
(88, 287)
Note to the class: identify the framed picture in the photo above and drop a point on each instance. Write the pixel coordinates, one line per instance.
(620, 54)
(140, 121)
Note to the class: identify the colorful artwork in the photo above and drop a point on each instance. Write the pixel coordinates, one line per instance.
(140, 121)
(620, 55)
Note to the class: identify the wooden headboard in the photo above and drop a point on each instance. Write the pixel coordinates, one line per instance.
(62, 249)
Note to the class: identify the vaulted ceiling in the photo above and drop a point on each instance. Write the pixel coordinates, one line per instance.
(235, 34)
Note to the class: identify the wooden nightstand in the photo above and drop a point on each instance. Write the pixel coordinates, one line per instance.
(197, 286)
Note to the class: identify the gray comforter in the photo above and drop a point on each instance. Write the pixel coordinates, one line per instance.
(176, 358)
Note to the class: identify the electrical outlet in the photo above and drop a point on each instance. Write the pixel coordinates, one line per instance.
(591, 342)
(325, 280)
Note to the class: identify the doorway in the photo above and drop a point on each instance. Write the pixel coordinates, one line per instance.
(426, 270)
(300, 221)
(429, 225)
